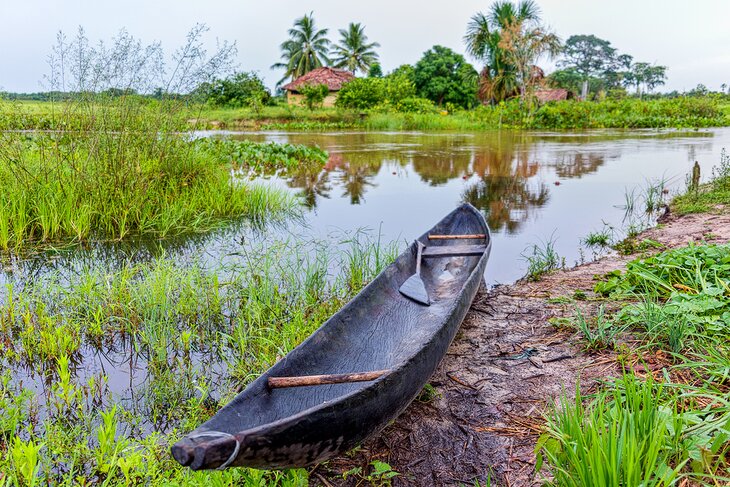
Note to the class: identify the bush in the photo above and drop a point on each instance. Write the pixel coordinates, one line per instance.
(314, 95)
(238, 90)
(361, 93)
(415, 105)
(364, 93)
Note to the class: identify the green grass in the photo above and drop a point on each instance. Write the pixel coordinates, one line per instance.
(670, 424)
(194, 328)
(127, 168)
(706, 197)
(689, 112)
(542, 258)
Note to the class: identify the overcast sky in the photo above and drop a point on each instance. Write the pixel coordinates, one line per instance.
(690, 37)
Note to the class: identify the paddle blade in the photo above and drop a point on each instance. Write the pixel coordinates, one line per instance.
(415, 289)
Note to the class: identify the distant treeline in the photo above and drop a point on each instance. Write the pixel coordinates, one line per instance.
(55, 95)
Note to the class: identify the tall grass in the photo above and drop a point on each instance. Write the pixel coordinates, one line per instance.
(193, 328)
(116, 163)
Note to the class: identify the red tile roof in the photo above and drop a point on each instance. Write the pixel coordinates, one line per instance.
(551, 95)
(332, 77)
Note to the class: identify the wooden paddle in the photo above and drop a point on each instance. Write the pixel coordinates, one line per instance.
(414, 287)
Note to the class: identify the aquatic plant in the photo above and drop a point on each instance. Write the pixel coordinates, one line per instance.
(195, 333)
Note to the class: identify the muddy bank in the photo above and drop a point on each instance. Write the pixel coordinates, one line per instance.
(506, 365)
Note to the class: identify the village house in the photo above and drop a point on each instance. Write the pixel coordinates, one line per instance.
(333, 78)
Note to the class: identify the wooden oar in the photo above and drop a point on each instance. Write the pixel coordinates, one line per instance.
(318, 380)
(456, 237)
(414, 287)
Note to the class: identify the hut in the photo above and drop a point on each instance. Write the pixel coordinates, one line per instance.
(546, 95)
(332, 78)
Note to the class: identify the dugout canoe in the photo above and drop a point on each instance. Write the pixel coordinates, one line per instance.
(393, 342)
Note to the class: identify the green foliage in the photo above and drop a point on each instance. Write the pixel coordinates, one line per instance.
(704, 198)
(365, 93)
(542, 259)
(651, 432)
(264, 157)
(238, 90)
(625, 436)
(444, 76)
(375, 71)
(187, 325)
(361, 93)
(314, 95)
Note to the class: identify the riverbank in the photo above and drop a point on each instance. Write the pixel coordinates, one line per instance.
(629, 113)
(514, 357)
(564, 115)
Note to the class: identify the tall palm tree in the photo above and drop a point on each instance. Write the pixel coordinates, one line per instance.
(305, 50)
(353, 52)
(484, 33)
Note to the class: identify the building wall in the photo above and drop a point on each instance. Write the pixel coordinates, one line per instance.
(297, 99)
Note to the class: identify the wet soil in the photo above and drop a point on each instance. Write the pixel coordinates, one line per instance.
(508, 363)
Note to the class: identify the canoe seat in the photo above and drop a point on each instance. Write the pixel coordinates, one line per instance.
(454, 250)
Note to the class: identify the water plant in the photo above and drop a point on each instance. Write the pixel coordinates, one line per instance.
(184, 337)
(542, 258)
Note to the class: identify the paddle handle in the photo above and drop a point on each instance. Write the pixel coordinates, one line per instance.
(418, 257)
(457, 237)
(318, 380)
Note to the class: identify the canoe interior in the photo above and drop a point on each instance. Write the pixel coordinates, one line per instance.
(379, 329)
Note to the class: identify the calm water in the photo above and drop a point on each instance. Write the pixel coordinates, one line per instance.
(532, 187)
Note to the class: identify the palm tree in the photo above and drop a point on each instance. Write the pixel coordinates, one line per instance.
(484, 34)
(305, 50)
(353, 52)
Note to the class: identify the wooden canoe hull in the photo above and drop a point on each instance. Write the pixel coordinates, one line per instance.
(379, 329)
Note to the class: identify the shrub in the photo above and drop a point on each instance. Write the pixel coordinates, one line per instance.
(314, 95)
(361, 93)
(238, 90)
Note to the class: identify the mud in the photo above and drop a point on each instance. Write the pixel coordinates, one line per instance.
(506, 366)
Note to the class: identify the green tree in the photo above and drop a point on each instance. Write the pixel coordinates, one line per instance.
(305, 50)
(314, 95)
(498, 79)
(238, 90)
(444, 76)
(353, 52)
(589, 56)
(375, 71)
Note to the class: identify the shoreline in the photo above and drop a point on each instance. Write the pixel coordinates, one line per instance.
(509, 361)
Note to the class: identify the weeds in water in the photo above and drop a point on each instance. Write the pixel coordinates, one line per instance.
(190, 328)
(541, 259)
(598, 239)
(115, 164)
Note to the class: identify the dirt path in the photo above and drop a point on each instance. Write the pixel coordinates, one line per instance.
(505, 366)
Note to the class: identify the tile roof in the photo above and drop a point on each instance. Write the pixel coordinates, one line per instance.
(332, 77)
(551, 95)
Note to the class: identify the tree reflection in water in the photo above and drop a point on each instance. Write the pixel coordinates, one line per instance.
(506, 187)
